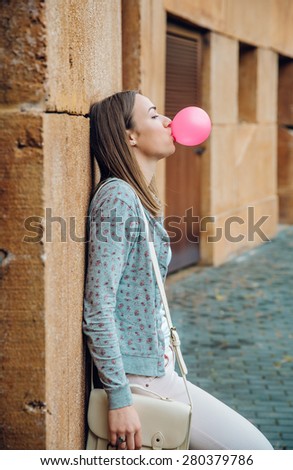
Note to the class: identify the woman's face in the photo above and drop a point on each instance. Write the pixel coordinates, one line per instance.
(151, 136)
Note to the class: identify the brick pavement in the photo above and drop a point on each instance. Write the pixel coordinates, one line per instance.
(236, 327)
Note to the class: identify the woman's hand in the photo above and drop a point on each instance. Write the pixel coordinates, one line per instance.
(124, 423)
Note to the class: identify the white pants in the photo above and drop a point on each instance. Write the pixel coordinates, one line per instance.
(214, 424)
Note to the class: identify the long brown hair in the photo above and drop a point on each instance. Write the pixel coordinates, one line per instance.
(109, 120)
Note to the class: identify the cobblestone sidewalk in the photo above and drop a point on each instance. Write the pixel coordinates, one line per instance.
(236, 328)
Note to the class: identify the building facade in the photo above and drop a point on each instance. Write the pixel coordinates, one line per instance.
(234, 58)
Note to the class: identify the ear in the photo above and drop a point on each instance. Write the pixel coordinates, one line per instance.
(132, 137)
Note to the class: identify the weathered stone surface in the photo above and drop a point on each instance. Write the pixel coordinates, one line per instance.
(84, 53)
(23, 61)
(239, 230)
(59, 57)
(243, 165)
(255, 163)
(45, 164)
(267, 86)
(223, 175)
(205, 13)
(281, 31)
(224, 79)
(240, 172)
(237, 19)
(144, 50)
(241, 18)
(23, 402)
(66, 191)
(131, 44)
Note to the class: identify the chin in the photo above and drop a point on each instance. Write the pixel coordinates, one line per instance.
(172, 150)
(167, 153)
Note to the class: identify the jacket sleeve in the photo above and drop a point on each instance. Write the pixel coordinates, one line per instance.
(108, 250)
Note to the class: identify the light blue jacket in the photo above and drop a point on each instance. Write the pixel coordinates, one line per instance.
(122, 318)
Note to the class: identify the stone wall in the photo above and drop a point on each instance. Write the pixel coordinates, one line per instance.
(58, 58)
(144, 50)
(238, 169)
(84, 64)
(262, 23)
(239, 183)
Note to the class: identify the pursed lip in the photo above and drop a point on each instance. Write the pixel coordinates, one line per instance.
(172, 137)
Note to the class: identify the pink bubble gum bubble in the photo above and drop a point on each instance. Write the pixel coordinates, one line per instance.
(191, 126)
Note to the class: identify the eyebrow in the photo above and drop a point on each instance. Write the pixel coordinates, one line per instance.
(152, 107)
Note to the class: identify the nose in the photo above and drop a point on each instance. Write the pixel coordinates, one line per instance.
(166, 121)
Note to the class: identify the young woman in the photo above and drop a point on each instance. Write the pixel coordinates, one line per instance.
(124, 320)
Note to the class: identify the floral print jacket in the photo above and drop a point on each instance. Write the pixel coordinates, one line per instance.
(122, 317)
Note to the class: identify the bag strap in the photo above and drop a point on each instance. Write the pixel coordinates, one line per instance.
(173, 332)
(157, 395)
(175, 340)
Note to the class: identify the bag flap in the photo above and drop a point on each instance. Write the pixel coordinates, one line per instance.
(98, 413)
(169, 418)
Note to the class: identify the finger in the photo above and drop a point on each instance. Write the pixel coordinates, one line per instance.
(130, 441)
(122, 446)
(113, 439)
(138, 439)
(121, 442)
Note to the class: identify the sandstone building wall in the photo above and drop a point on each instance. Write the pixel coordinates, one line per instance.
(57, 58)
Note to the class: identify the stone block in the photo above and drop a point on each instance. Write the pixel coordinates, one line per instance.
(153, 51)
(281, 31)
(243, 165)
(206, 247)
(266, 210)
(255, 162)
(144, 48)
(131, 44)
(247, 21)
(228, 236)
(66, 192)
(205, 178)
(223, 79)
(22, 286)
(241, 172)
(59, 56)
(23, 61)
(83, 53)
(205, 13)
(238, 231)
(42, 281)
(267, 86)
(223, 169)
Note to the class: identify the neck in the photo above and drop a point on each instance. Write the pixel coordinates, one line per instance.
(148, 167)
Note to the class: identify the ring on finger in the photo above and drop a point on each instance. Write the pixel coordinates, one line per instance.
(121, 439)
